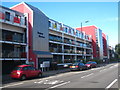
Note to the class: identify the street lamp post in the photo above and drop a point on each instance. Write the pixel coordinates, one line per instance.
(83, 41)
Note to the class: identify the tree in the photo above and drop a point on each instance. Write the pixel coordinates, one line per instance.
(117, 50)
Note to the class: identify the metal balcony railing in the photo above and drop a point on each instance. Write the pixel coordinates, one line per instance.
(12, 19)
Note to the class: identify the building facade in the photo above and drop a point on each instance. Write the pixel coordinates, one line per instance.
(13, 41)
(67, 44)
(100, 43)
(49, 40)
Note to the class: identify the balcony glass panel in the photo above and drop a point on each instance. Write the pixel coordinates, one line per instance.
(12, 36)
(13, 51)
(55, 38)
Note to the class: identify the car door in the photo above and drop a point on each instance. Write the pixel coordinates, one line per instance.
(83, 65)
(26, 71)
(34, 71)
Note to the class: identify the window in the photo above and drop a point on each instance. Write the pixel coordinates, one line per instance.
(70, 30)
(7, 16)
(31, 68)
(25, 68)
(66, 30)
(17, 18)
(58, 26)
(49, 23)
(17, 68)
(25, 20)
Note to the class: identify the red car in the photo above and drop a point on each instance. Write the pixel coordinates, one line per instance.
(91, 64)
(23, 72)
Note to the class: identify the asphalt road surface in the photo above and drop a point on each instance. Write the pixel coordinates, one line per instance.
(101, 77)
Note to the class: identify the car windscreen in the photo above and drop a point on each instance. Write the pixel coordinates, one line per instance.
(17, 68)
(88, 62)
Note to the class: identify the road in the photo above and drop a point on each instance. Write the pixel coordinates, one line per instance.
(102, 77)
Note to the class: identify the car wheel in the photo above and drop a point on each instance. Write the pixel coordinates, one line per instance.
(40, 75)
(23, 77)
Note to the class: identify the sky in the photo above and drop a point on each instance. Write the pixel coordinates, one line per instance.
(103, 15)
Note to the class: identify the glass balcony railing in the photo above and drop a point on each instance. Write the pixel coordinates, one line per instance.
(69, 51)
(12, 54)
(13, 37)
(55, 50)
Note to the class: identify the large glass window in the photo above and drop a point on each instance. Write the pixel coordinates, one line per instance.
(7, 16)
(49, 23)
(12, 36)
(55, 38)
(13, 51)
(56, 48)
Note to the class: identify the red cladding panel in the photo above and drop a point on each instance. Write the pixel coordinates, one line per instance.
(104, 44)
(90, 30)
(16, 20)
(25, 9)
(2, 15)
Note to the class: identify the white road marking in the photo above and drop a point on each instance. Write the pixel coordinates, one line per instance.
(115, 65)
(87, 75)
(111, 84)
(52, 82)
(12, 85)
(95, 68)
(111, 67)
(59, 84)
(103, 70)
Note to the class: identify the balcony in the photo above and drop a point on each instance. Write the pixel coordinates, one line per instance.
(69, 51)
(12, 54)
(55, 50)
(79, 52)
(13, 37)
(13, 20)
(55, 38)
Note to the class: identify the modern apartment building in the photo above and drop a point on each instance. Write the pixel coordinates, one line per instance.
(49, 40)
(99, 42)
(13, 39)
(67, 44)
(105, 46)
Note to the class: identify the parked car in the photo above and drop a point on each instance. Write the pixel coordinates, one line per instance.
(91, 64)
(23, 72)
(78, 66)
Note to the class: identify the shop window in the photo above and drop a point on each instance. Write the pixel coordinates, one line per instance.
(7, 16)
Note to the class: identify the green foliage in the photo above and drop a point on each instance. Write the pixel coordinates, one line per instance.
(117, 50)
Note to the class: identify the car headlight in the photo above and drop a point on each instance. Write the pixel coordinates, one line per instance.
(18, 72)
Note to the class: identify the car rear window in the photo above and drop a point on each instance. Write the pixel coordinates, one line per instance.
(17, 68)
(75, 64)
